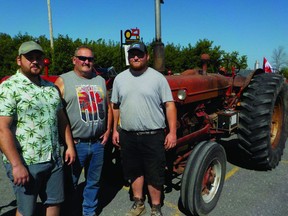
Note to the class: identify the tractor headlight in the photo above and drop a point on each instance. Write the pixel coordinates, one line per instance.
(182, 94)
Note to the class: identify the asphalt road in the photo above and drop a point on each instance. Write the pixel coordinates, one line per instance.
(245, 192)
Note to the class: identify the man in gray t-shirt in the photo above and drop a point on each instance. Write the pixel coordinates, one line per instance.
(141, 98)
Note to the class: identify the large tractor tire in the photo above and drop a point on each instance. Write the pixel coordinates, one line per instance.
(263, 121)
(203, 178)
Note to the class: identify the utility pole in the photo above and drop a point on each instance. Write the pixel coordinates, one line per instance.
(158, 49)
(50, 25)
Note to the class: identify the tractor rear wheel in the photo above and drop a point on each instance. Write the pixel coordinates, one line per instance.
(203, 178)
(263, 121)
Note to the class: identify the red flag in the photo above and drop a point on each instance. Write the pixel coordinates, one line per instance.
(266, 66)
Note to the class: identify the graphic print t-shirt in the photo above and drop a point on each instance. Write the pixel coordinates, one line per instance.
(86, 104)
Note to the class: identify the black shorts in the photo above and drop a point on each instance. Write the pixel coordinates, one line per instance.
(143, 155)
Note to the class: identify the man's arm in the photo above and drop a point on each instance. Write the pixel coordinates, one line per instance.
(60, 85)
(66, 134)
(64, 127)
(171, 115)
(106, 135)
(8, 147)
(116, 115)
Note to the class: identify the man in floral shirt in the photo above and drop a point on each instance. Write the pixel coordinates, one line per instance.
(29, 111)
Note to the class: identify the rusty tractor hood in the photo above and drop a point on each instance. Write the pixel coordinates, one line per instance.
(198, 87)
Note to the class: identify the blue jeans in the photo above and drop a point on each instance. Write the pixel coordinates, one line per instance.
(90, 156)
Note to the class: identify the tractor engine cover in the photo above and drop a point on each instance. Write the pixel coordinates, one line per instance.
(192, 88)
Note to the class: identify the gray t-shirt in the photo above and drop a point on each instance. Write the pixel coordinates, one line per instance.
(86, 104)
(141, 99)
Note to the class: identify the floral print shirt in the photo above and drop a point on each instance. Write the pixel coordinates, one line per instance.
(34, 110)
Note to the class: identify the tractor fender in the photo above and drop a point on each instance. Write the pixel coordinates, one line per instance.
(244, 81)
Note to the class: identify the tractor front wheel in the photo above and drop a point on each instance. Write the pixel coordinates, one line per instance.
(203, 178)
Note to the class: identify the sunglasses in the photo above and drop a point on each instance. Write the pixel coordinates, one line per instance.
(34, 56)
(138, 54)
(84, 58)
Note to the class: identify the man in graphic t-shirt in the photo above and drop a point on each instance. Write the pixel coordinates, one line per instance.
(90, 116)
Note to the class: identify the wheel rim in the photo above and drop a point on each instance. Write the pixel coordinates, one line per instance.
(211, 181)
(276, 123)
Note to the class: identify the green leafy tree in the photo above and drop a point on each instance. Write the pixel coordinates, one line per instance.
(8, 53)
(177, 58)
(173, 55)
(231, 60)
(107, 54)
(284, 72)
(64, 48)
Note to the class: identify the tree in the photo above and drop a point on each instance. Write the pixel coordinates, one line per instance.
(64, 48)
(177, 58)
(7, 61)
(284, 72)
(279, 58)
(173, 58)
(233, 60)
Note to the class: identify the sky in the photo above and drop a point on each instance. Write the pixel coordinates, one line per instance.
(254, 28)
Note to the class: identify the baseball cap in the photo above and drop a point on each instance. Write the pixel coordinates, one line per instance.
(138, 46)
(29, 46)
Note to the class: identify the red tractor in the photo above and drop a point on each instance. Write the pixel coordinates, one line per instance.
(212, 107)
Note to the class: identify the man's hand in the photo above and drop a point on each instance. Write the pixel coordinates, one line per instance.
(70, 156)
(115, 138)
(20, 174)
(105, 137)
(170, 141)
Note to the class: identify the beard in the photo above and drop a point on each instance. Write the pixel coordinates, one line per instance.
(34, 70)
(138, 66)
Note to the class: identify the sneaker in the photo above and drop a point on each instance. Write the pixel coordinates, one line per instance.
(156, 210)
(138, 208)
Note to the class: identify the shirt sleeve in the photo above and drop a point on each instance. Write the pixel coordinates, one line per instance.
(7, 100)
(165, 91)
(114, 97)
